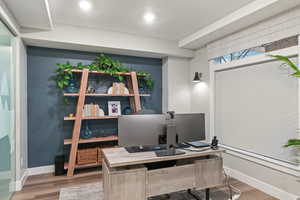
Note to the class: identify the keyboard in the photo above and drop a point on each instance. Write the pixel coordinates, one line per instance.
(137, 149)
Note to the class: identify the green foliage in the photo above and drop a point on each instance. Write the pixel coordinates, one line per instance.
(101, 64)
(63, 75)
(291, 142)
(289, 63)
(147, 81)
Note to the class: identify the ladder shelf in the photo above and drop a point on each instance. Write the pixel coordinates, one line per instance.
(135, 103)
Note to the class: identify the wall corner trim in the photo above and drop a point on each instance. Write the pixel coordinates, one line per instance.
(20, 183)
(267, 188)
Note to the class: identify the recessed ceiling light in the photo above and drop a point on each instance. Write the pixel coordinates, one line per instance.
(85, 5)
(149, 17)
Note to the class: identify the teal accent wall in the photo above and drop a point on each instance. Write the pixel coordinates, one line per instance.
(46, 108)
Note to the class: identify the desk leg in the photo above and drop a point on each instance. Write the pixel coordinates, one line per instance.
(207, 193)
(193, 195)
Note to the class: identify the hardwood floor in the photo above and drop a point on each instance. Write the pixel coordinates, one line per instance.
(47, 187)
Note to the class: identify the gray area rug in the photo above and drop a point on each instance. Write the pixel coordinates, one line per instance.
(95, 192)
(83, 192)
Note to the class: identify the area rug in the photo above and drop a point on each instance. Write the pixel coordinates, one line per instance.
(83, 192)
(95, 192)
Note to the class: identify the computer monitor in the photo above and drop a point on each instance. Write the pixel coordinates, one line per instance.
(139, 130)
(190, 127)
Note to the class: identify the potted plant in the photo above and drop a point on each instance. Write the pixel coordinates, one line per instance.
(64, 75)
(295, 142)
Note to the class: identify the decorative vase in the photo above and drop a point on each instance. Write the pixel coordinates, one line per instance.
(86, 132)
(127, 111)
(72, 87)
(142, 90)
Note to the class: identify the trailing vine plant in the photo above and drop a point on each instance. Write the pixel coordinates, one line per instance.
(103, 63)
(296, 73)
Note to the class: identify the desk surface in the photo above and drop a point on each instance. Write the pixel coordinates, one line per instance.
(117, 157)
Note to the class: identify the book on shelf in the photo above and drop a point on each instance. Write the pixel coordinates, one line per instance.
(92, 110)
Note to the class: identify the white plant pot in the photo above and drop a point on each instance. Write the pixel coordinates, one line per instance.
(297, 154)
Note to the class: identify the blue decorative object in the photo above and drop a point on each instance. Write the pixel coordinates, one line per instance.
(72, 87)
(142, 90)
(127, 111)
(86, 132)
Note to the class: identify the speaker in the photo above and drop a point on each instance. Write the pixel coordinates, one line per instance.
(59, 165)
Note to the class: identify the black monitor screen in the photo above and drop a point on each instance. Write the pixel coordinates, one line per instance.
(138, 130)
(190, 127)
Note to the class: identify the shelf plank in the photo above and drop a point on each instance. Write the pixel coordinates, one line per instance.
(69, 118)
(71, 94)
(97, 117)
(106, 95)
(66, 165)
(92, 140)
(145, 95)
(109, 95)
(104, 73)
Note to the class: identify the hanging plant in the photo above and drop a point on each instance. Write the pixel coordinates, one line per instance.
(146, 82)
(63, 75)
(296, 73)
(102, 63)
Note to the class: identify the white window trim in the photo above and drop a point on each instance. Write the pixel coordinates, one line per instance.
(257, 158)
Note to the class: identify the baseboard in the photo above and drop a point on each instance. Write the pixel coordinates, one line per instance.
(266, 188)
(40, 170)
(20, 183)
(12, 186)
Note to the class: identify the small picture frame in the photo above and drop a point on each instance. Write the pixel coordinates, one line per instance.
(114, 108)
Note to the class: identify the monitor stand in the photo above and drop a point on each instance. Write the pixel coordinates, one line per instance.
(168, 152)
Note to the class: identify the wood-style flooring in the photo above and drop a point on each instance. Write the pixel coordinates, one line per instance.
(47, 186)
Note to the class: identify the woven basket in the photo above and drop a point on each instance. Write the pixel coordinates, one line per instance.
(87, 156)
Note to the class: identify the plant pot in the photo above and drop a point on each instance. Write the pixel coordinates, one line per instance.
(297, 154)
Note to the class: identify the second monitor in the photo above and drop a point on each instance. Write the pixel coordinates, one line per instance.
(141, 130)
(190, 127)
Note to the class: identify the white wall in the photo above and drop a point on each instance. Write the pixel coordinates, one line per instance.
(199, 91)
(87, 39)
(276, 28)
(21, 111)
(274, 182)
(277, 181)
(176, 85)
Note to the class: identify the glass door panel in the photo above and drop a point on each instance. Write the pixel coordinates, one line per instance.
(7, 114)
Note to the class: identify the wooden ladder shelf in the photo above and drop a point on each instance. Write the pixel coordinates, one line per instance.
(135, 104)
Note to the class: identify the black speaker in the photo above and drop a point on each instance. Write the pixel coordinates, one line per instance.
(59, 165)
(214, 143)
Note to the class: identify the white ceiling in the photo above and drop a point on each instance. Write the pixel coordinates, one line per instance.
(31, 13)
(192, 23)
(175, 19)
(244, 17)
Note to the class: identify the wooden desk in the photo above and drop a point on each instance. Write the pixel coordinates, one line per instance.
(126, 176)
